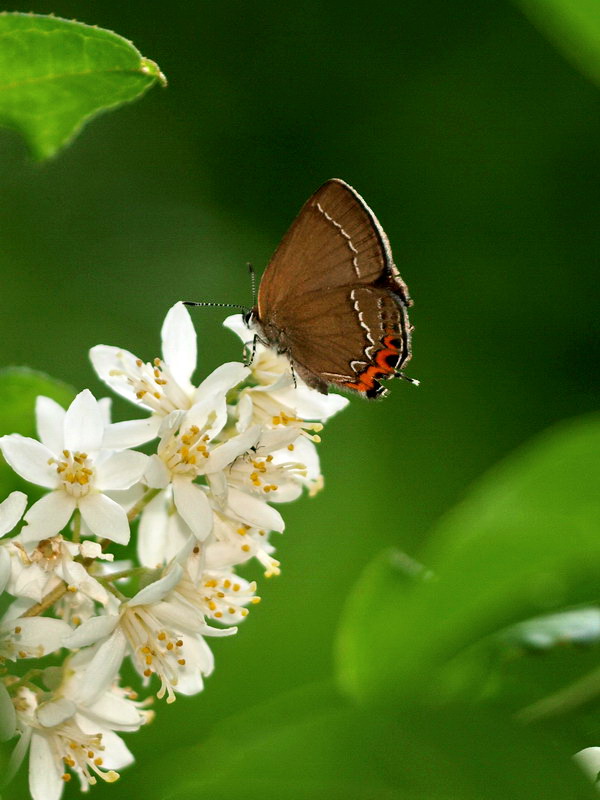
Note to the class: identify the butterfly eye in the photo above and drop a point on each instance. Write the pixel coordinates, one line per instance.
(248, 317)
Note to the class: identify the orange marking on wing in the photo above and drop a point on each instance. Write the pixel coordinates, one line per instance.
(366, 379)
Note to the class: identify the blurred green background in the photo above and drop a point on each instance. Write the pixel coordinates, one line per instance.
(474, 141)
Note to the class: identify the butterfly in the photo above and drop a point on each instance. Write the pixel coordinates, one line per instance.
(331, 298)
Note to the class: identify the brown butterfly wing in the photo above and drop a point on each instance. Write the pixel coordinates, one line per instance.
(332, 298)
(364, 337)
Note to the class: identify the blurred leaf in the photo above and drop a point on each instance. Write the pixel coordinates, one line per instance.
(579, 626)
(520, 543)
(573, 26)
(55, 75)
(311, 746)
(19, 386)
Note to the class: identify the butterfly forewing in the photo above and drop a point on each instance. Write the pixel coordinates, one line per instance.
(331, 297)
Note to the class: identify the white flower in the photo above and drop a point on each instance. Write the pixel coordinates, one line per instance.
(162, 637)
(163, 386)
(71, 462)
(275, 400)
(30, 637)
(186, 451)
(11, 511)
(66, 731)
(37, 572)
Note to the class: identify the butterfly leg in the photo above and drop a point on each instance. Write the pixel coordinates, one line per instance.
(249, 360)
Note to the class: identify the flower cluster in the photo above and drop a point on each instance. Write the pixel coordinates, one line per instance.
(198, 508)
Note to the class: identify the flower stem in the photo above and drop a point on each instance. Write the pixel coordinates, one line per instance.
(47, 601)
(77, 526)
(141, 504)
(565, 700)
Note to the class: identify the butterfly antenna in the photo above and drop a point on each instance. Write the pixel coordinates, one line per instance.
(215, 305)
(404, 377)
(252, 282)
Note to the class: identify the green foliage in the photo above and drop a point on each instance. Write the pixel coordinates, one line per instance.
(573, 26)
(19, 387)
(523, 540)
(56, 74)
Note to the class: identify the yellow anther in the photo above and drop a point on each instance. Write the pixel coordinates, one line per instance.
(18, 629)
(66, 454)
(148, 660)
(72, 589)
(90, 753)
(156, 372)
(157, 362)
(269, 459)
(179, 642)
(147, 673)
(220, 594)
(218, 614)
(161, 636)
(290, 446)
(255, 600)
(82, 479)
(181, 661)
(276, 421)
(254, 476)
(236, 586)
(244, 612)
(156, 395)
(212, 582)
(226, 583)
(242, 531)
(145, 649)
(139, 362)
(76, 620)
(231, 610)
(170, 646)
(316, 439)
(99, 761)
(246, 548)
(66, 777)
(160, 382)
(186, 438)
(140, 394)
(212, 605)
(22, 654)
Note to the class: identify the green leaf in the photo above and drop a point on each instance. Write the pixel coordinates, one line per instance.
(19, 387)
(524, 541)
(311, 746)
(55, 75)
(573, 26)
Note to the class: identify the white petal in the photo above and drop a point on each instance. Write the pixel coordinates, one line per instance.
(102, 669)
(48, 516)
(222, 379)
(92, 631)
(121, 470)
(179, 344)
(45, 781)
(153, 531)
(310, 404)
(192, 503)
(50, 417)
(115, 712)
(105, 518)
(8, 717)
(83, 424)
(114, 366)
(44, 633)
(55, 711)
(4, 568)
(236, 324)
(131, 433)
(105, 406)
(157, 476)
(226, 453)
(11, 511)
(244, 410)
(29, 459)
(75, 574)
(589, 761)
(254, 512)
(115, 755)
(154, 592)
(30, 581)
